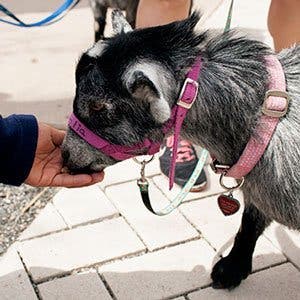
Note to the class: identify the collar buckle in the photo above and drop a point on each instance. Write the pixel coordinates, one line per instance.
(188, 93)
(275, 112)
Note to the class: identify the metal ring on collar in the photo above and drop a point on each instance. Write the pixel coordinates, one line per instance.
(240, 182)
(143, 161)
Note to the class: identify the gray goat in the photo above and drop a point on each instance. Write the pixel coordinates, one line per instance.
(127, 85)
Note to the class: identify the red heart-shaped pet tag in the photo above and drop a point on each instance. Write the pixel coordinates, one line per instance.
(228, 204)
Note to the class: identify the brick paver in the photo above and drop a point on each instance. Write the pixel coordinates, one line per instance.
(61, 252)
(288, 241)
(161, 274)
(49, 220)
(14, 281)
(155, 231)
(221, 236)
(82, 205)
(76, 287)
(281, 282)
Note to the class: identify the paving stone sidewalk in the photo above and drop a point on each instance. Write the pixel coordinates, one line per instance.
(100, 242)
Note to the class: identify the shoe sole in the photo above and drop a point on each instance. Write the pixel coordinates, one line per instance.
(199, 188)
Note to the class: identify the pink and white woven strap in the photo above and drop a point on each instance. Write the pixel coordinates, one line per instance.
(187, 97)
(275, 106)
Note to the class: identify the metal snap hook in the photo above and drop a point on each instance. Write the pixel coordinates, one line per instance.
(143, 162)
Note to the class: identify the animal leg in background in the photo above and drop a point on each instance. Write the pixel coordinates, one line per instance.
(99, 10)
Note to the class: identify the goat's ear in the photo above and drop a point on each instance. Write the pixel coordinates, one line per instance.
(143, 88)
(119, 22)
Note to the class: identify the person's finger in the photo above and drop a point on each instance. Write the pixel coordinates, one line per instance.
(68, 180)
(97, 177)
(57, 136)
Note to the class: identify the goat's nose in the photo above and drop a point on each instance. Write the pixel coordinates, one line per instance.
(65, 156)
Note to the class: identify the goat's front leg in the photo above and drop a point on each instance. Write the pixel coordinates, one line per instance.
(99, 8)
(232, 269)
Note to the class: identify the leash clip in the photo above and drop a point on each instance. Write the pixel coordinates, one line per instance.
(142, 182)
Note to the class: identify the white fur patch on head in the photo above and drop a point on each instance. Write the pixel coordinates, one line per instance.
(96, 49)
(160, 110)
(155, 72)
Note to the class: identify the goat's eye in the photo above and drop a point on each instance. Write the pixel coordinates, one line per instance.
(97, 106)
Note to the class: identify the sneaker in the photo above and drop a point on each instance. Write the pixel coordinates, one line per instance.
(185, 164)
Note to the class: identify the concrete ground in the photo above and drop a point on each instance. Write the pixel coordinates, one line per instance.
(100, 242)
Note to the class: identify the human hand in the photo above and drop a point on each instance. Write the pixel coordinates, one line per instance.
(47, 165)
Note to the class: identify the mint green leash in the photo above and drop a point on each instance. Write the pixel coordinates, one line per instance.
(143, 185)
(187, 187)
(229, 17)
(178, 200)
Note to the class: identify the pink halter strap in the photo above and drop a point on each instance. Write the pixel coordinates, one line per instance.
(117, 152)
(275, 106)
(187, 97)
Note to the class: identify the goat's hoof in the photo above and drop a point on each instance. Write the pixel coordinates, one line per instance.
(229, 272)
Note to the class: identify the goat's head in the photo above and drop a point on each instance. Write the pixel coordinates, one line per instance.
(126, 86)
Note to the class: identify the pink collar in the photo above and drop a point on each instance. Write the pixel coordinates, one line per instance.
(186, 99)
(274, 107)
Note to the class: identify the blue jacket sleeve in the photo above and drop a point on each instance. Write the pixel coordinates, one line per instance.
(18, 141)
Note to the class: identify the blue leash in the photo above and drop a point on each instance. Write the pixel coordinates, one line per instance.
(57, 15)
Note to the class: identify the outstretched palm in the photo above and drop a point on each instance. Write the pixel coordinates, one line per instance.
(47, 165)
